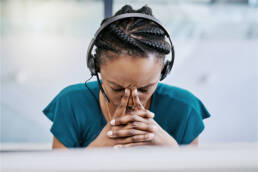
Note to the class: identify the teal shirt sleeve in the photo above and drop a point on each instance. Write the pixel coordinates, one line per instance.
(65, 126)
(179, 112)
(194, 123)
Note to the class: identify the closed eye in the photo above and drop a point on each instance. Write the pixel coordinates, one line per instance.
(118, 90)
(143, 90)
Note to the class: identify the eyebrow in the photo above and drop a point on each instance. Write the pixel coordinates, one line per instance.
(122, 86)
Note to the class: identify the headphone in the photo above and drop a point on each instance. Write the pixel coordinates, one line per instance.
(91, 61)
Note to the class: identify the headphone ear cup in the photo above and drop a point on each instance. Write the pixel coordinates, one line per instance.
(165, 71)
(91, 65)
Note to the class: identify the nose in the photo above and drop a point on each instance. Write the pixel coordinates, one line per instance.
(130, 101)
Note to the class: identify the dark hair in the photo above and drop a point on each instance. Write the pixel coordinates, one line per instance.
(135, 35)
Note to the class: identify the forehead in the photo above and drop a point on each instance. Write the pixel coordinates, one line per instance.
(128, 70)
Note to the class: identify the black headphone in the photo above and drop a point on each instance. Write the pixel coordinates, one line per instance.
(91, 61)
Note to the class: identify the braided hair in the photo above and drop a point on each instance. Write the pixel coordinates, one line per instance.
(133, 35)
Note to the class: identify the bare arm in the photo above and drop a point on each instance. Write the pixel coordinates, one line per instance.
(57, 144)
(195, 142)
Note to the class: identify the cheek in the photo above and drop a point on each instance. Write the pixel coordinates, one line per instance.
(115, 97)
(144, 97)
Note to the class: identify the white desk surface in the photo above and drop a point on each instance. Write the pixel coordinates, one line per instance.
(210, 157)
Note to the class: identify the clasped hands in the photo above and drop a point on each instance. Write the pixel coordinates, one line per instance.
(137, 128)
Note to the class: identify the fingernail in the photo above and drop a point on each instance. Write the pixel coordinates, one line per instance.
(109, 133)
(152, 115)
(126, 91)
(117, 146)
(112, 122)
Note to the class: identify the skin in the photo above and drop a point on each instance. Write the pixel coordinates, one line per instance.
(129, 83)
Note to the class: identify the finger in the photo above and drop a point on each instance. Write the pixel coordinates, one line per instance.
(127, 119)
(141, 126)
(148, 127)
(144, 113)
(137, 103)
(122, 106)
(132, 145)
(125, 133)
(135, 139)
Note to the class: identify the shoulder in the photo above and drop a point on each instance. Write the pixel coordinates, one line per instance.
(78, 96)
(75, 98)
(78, 88)
(179, 112)
(175, 94)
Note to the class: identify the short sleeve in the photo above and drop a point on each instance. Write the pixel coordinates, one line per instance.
(194, 124)
(64, 127)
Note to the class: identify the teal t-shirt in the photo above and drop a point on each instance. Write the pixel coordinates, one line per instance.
(77, 117)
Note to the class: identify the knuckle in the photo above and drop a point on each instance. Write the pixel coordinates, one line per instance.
(134, 124)
(132, 132)
(147, 137)
(135, 139)
(117, 121)
(150, 136)
(115, 129)
(134, 117)
(115, 133)
(151, 127)
(129, 126)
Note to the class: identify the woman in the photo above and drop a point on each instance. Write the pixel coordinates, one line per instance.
(133, 109)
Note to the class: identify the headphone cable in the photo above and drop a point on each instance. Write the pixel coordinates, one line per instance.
(90, 89)
(95, 96)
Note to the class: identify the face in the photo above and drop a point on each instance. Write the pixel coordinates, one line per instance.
(124, 71)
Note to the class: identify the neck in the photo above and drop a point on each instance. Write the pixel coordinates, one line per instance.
(107, 110)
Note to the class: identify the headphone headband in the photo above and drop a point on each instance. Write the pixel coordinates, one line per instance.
(168, 64)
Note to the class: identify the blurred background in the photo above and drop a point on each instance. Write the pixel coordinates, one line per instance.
(44, 43)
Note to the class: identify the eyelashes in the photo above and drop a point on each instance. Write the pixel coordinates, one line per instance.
(122, 89)
(118, 90)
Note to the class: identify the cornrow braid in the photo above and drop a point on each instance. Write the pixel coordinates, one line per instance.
(137, 23)
(100, 43)
(150, 30)
(124, 37)
(162, 47)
